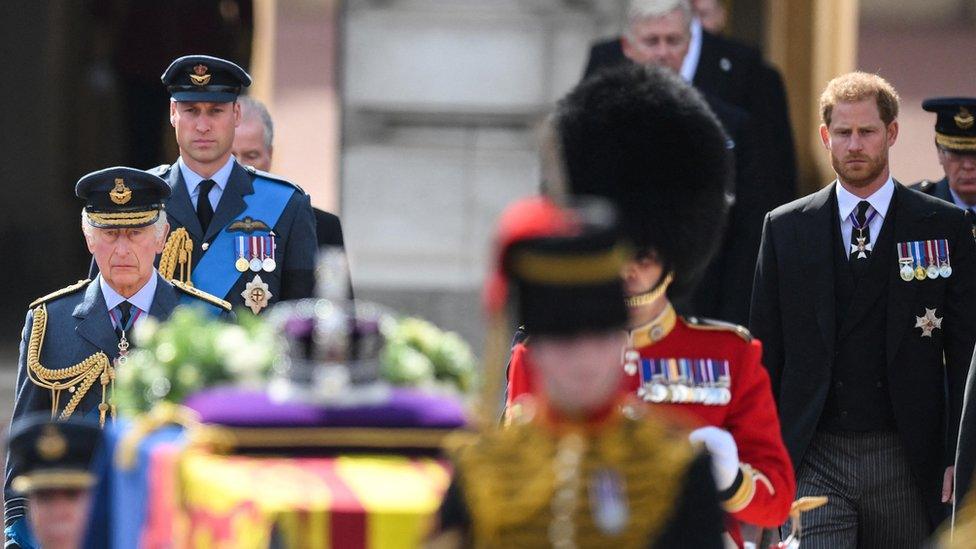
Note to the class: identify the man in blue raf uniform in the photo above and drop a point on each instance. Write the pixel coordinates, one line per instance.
(56, 478)
(74, 338)
(238, 233)
(955, 144)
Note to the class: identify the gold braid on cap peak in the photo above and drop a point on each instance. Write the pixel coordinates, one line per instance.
(78, 379)
(178, 252)
(956, 142)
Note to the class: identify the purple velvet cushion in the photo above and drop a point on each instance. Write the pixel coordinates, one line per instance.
(406, 407)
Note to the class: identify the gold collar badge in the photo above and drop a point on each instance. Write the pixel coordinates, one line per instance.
(200, 76)
(964, 120)
(120, 194)
(51, 445)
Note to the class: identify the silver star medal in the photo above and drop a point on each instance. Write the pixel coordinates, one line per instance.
(928, 322)
(862, 247)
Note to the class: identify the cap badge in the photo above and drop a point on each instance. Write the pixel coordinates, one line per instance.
(120, 194)
(964, 120)
(200, 76)
(51, 445)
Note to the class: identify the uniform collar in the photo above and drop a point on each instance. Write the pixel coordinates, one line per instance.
(690, 63)
(193, 179)
(142, 299)
(959, 201)
(655, 330)
(880, 200)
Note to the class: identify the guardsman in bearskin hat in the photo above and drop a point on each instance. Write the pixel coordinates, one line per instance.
(54, 486)
(582, 464)
(646, 140)
(955, 144)
(74, 338)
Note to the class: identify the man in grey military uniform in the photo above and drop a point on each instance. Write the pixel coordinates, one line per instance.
(251, 238)
(74, 338)
(955, 144)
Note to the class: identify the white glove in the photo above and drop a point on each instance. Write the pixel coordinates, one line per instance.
(725, 454)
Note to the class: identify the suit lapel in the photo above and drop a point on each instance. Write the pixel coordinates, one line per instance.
(231, 201)
(880, 266)
(94, 324)
(164, 300)
(179, 206)
(818, 227)
(901, 294)
(942, 190)
(705, 77)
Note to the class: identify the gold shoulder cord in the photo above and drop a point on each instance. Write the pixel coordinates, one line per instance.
(177, 252)
(78, 379)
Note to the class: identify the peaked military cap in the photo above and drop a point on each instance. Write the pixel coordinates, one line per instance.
(53, 455)
(120, 197)
(647, 141)
(561, 266)
(954, 123)
(204, 78)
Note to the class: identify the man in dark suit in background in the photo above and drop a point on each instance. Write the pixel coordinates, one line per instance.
(661, 33)
(254, 146)
(868, 327)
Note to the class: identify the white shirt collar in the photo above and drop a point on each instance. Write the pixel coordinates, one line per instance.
(142, 299)
(193, 179)
(880, 200)
(959, 201)
(690, 64)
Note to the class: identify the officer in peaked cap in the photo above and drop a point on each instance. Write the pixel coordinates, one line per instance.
(241, 234)
(54, 485)
(955, 144)
(87, 325)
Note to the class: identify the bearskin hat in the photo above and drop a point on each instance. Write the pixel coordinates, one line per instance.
(647, 141)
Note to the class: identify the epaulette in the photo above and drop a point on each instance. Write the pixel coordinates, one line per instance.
(209, 298)
(718, 325)
(160, 169)
(272, 177)
(63, 291)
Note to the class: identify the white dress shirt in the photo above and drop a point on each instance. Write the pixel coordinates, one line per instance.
(193, 179)
(690, 63)
(847, 203)
(142, 300)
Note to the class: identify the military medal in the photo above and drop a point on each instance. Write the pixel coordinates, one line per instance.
(241, 264)
(862, 246)
(905, 260)
(269, 263)
(932, 271)
(929, 322)
(256, 294)
(920, 272)
(724, 383)
(608, 501)
(255, 262)
(945, 270)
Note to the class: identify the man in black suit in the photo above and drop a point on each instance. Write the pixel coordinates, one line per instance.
(865, 302)
(719, 67)
(955, 144)
(662, 33)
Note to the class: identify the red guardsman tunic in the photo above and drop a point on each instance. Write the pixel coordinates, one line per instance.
(749, 415)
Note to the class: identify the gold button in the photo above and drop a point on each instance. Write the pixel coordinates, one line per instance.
(205, 245)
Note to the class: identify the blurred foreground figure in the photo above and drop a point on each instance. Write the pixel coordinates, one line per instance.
(579, 465)
(56, 478)
(646, 140)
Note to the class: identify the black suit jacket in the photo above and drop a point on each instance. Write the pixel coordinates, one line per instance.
(793, 314)
(938, 189)
(736, 74)
(328, 229)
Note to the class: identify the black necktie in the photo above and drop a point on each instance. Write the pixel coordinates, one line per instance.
(204, 209)
(125, 313)
(860, 239)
